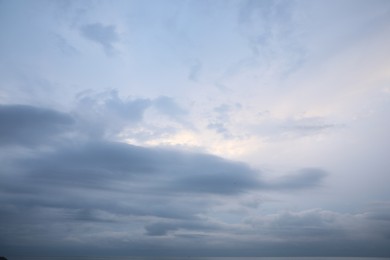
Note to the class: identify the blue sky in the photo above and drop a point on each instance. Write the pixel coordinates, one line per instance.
(195, 127)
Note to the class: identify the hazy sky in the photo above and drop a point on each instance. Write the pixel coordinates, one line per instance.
(197, 127)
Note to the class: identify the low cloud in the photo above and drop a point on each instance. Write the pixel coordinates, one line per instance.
(307, 177)
(75, 185)
(163, 228)
(28, 125)
(104, 165)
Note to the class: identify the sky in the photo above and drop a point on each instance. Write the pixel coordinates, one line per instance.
(195, 127)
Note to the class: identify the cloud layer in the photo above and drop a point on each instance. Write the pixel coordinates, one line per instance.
(75, 185)
(100, 181)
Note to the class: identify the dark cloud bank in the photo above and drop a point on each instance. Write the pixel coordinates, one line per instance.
(63, 193)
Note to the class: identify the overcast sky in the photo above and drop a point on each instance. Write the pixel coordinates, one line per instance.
(231, 127)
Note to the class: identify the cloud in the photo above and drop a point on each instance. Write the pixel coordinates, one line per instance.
(195, 69)
(218, 176)
(274, 38)
(78, 184)
(102, 164)
(307, 177)
(104, 35)
(219, 128)
(307, 125)
(28, 125)
(322, 232)
(75, 184)
(130, 109)
(293, 127)
(110, 166)
(221, 120)
(310, 224)
(163, 228)
(168, 106)
(325, 224)
(63, 45)
(94, 164)
(106, 113)
(87, 176)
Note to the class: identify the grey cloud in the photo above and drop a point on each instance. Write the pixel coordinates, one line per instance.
(163, 228)
(168, 106)
(319, 232)
(307, 125)
(90, 164)
(99, 162)
(195, 69)
(156, 193)
(141, 180)
(250, 7)
(222, 118)
(105, 165)
(379, 211)
(219, 128)
(106, 185)
(322, 228)
(269, 28)
(159, 229)
(102, 163)
(313, 232)
(106, 113)
(224, 110)
(130, 109)
(303, 178)
(63, 45)
(27, 125)
(76, 184)
(309, 224)
(110, 102)
(105, 35)
(277, 129)
(221, 177)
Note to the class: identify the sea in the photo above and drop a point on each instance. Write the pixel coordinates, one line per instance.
(194, 258)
